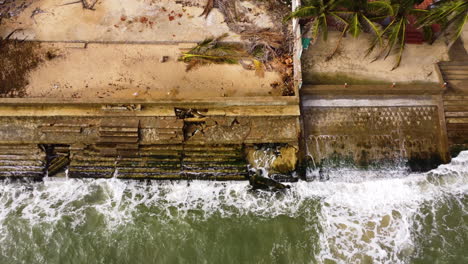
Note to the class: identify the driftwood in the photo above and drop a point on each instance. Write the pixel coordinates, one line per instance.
(208, 7)
(87, 4)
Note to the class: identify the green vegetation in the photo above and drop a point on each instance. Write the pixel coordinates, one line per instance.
(451, 14)
(351, 17)
(401, 11)
(386, 20)
(211, 50)
(351, 79)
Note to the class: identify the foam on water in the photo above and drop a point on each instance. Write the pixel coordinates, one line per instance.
(359, 219)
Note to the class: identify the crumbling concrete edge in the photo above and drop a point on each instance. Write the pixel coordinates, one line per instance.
(297, 49)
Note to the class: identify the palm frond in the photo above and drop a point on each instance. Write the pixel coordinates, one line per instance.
(379, 8)
(302, 12)
(374, 29)
(354, 26)
(394, 36)
(459, 25)
(443, 12)
(401, 47)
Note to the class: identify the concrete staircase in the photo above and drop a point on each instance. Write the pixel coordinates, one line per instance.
(90, 163)
(118, 137)
(455, 71)
(177, 161)
(456, 116)
(22, 161)
(224, 162)
(153, 162)
(455, 74)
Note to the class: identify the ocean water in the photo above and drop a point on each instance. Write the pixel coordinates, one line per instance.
(355, 218)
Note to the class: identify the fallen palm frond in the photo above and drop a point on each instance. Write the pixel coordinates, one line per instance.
(211, 50)
(263, 45)
(208, 7)
(264, 49)
(87, 4)
(259, 69)
(451, 15)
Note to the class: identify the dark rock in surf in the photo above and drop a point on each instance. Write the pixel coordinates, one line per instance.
(258, 181)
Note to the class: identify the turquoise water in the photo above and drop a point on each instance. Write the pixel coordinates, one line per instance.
(356, 218)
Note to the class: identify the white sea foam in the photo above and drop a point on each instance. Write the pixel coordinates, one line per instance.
(359, 218)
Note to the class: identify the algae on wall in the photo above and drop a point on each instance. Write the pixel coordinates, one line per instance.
(374, 137)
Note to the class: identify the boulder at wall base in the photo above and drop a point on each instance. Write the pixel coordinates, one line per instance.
(259, 158)
(286, 161)
(280, 160)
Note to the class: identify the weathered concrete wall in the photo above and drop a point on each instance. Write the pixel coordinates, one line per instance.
(200, 139)
(374, 136)
(374, 131)
(152, 130)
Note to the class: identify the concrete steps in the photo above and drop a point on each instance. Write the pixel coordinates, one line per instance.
(455, 74)
(455, 71)
(153, 162)
(177, 161)
(88, 163)
(118, 137)
(457, 51)
(456, 117)
(214, 162)
(22, 161)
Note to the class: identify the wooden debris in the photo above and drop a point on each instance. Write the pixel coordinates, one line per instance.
(209, 6)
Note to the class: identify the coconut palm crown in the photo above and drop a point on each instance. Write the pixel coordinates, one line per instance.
(451, 14)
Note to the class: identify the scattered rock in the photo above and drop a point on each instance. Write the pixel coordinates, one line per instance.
(164, 59)
(258, 181)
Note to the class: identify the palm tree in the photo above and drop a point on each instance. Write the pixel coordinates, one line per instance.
(450, 14)
(354, 16)
(395, 31)
(361, 16)
(319, 11)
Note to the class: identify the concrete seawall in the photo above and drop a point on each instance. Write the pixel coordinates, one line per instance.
(378, 126)
(215, 122)
(207, 139)
(346, 126)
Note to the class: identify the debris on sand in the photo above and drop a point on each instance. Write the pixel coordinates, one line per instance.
(212, 50)
(12, 8)
(268, 48)
(16, 61)
(208, 7)
(87, 4)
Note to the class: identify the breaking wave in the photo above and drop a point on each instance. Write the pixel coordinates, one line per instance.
(417, 218)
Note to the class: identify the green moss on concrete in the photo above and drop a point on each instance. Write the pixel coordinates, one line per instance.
(341, 78)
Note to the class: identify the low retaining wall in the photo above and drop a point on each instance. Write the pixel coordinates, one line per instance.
(374, 131)
(207, 139)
